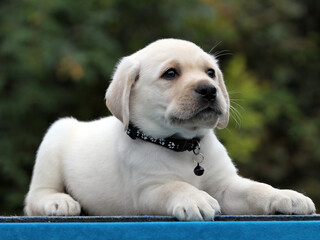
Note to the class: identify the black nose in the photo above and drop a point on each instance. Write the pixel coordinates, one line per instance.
(207, 91)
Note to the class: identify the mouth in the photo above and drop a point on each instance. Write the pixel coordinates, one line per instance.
(209, 110)
(206, 114)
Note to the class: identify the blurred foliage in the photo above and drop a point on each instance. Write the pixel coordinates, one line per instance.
(243, 136)
(56, 58)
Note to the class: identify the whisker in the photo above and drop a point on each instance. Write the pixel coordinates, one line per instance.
(221, 51)
(223, 54)
(227, 128)
(236, 100)
(242, 108)
(214, 47)
(236, 116)
(234, 94)
(235, 112)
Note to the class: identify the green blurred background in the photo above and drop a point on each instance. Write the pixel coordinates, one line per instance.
(57, 57)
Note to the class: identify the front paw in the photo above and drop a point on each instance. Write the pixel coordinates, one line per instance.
(198, 206)
(291, 202)
(61, 204)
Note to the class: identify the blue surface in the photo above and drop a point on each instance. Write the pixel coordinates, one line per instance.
(269, 230)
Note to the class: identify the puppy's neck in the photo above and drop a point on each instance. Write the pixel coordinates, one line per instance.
(177, 144)
(165, 130)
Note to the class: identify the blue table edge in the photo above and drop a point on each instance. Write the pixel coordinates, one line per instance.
(65, 219)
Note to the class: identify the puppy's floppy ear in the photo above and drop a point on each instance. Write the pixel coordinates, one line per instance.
(223, 121)
(118, 92)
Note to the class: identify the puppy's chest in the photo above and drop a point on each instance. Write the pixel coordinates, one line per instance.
(163, 164)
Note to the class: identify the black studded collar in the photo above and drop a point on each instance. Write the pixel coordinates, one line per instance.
(177, 145)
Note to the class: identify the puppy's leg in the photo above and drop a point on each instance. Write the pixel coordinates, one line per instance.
(179, 199)
(50, 203)
(46, 194)
(243, 196)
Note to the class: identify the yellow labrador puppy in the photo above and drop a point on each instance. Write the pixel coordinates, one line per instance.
(158, 154)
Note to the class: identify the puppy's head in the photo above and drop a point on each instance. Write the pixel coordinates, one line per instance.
(169, 88)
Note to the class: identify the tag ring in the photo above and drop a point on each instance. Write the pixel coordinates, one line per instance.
(198, 158)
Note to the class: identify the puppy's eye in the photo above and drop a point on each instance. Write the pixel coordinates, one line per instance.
(170, 74)
(211, 73)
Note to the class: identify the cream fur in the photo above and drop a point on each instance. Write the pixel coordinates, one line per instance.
(97, 167)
